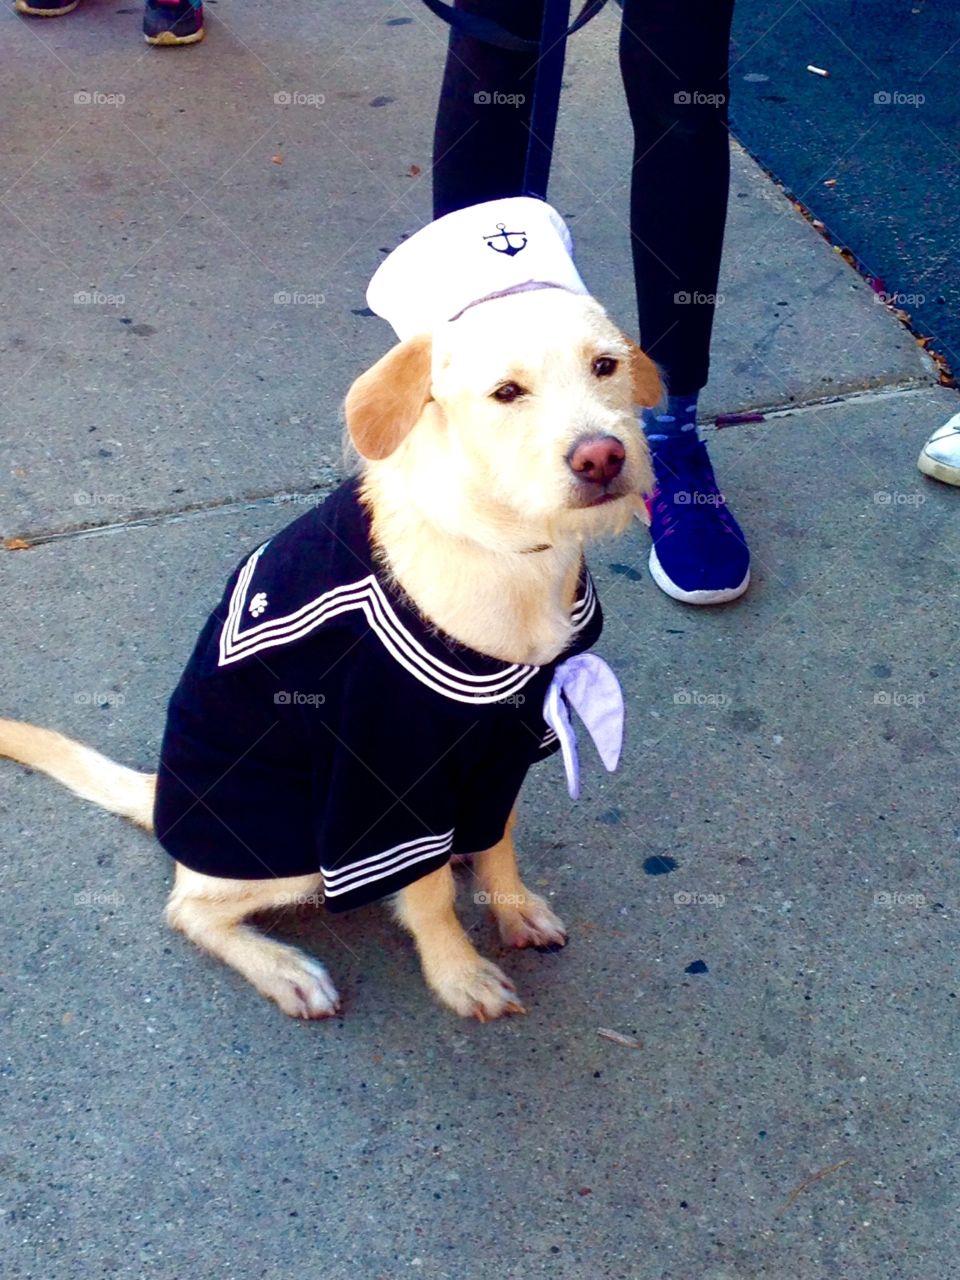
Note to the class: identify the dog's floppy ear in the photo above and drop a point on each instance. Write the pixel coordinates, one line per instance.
(384, 403)
(647, 383)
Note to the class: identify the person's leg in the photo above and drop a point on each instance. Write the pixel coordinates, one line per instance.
(674, 61)
(480, 145)
(674, 57)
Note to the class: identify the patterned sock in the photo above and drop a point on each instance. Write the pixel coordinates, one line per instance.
(679, 418)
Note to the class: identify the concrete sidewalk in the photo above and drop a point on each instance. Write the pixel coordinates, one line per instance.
(784, 814)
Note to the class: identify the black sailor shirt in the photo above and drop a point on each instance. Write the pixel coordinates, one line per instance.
(322, 724)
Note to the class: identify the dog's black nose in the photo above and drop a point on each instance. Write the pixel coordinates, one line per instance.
(598, 459)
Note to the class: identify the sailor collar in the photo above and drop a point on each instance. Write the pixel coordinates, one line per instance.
(280, 597)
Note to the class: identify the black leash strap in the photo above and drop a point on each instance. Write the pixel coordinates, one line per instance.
(471, 24)
(549, 50)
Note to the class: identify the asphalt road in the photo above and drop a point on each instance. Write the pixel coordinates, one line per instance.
(883, 124)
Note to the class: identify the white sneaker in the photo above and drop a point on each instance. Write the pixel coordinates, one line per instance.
(940, 456)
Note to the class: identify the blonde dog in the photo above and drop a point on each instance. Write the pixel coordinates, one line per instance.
(491, 451)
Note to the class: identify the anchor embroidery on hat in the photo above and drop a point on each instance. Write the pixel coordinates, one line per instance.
(508, 238)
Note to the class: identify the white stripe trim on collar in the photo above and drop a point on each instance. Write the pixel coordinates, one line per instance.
(584, 608)
(367, 596)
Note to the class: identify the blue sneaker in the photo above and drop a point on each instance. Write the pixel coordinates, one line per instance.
(699, 554)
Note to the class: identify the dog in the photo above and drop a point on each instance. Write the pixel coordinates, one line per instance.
(490, 451)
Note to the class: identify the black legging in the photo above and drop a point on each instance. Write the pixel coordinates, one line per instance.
(681, 162)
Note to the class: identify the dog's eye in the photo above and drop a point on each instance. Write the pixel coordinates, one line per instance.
(507, 393)
(604, 366)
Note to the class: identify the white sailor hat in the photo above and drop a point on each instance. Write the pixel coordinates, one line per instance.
(472, 255)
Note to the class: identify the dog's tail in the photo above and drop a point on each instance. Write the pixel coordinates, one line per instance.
(85, 771)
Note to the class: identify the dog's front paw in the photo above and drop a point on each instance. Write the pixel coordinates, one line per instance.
(300, 986)
(480, 991)
(529, 922)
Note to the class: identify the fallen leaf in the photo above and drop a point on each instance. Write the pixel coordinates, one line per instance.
(628, 1041)
(16, 544)
(808, 1182)
(277, 159)
(414, 171)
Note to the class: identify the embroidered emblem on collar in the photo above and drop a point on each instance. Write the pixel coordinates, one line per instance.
(368, 597)
(258, 604)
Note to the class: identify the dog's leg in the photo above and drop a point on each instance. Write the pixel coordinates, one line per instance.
(523, 918)
(454, 970)
(211, 911)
